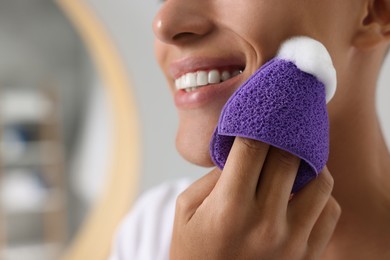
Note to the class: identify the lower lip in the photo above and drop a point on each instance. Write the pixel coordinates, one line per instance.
(204, 95)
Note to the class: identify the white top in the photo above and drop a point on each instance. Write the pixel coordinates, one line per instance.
(145, 233)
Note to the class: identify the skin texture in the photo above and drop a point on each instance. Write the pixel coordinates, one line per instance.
(218, 216)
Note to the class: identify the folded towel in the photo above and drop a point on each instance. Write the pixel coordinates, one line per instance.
(283, 104)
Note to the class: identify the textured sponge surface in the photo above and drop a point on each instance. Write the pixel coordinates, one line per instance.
(283, 106)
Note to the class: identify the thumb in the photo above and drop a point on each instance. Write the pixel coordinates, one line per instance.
(190, 199)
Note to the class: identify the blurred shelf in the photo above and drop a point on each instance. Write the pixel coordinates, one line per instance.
(36, 251)
(24, 105)
(16, 154)
(52, 201)
(32, 187)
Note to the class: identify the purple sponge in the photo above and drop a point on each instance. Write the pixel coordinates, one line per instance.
(283, 104)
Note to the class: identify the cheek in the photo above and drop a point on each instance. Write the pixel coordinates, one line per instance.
(261, 25)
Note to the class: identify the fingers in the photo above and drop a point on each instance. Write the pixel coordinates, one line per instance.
(276, 181)
(189, 200)
(306, 206)
(324, 227)
(242, 169)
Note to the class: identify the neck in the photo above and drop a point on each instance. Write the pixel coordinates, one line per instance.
(360, 164)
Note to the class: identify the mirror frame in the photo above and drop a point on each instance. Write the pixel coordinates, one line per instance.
(94, 239)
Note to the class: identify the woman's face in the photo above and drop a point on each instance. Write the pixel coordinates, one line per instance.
(218, 44)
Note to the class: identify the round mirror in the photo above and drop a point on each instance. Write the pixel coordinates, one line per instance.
(69, 132)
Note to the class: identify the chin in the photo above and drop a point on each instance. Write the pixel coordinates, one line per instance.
(194, 146)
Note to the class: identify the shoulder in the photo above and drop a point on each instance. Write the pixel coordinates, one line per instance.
(145, 233)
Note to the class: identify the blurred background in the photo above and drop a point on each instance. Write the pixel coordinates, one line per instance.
(56, 121)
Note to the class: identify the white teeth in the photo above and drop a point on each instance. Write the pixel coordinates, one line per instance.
(178, 83)
(214, 77)
(194, 80)
(225, 75)
(191, 89)
(202, 78)
(190, 79)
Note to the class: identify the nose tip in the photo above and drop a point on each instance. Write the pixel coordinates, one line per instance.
(163, 32)
(175, 23)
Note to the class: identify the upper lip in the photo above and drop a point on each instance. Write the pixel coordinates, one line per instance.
(193, 64)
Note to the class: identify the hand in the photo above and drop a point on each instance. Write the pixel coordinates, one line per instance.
(246, 212)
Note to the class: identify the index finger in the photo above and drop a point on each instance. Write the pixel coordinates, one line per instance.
(242, 170)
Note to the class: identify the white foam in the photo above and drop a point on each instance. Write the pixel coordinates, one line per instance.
(312, 57)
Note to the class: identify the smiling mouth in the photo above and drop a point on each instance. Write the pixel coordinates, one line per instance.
(194, 80)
